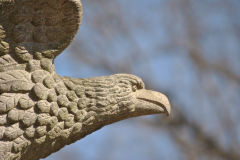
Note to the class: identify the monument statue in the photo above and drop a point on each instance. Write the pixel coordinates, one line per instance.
(40, 111)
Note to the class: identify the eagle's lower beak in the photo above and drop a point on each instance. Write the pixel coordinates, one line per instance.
(152, 102)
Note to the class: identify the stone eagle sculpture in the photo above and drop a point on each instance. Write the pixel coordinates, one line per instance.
(40, 111)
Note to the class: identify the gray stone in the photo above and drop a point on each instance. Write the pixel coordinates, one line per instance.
(41, 131)
(15, 115)
(40, 111)
(29, 117)
(69, 121)
(15, 81)
(49, 82)
(29, 132)
(2, 130)
(43, 119)
(52, 96)
(72, 96)
(33, 65)
(54, 109)
(3, 119)
(4, 48)
(62, 113)
(12, 132)
(62, 101)
(72, 107)
(52, 122)
(61, 89)
(43, 106)
(19, 144)
(39, 75)
(8, 101)
(25, 102)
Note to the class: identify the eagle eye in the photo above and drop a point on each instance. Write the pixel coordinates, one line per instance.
(134, 88)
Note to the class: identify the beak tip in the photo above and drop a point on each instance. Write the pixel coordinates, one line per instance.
(167, 109)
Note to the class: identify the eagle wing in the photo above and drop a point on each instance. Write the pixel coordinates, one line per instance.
(32, 34)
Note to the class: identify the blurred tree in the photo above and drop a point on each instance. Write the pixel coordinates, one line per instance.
(186, 49)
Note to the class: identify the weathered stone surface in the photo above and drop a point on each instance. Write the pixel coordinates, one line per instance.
(3, 119)
(79, 115)
(69, 84)
(8, 101)
(15, 115)
(19, 144)
(38, 76)
(82, 103)
(80, 92)
(61, 89)
(25, 102)
(7, 63)
(22, 14)
(39, 141)
(69, 121)
(43, 119)
(6, 148)
(41, 131)
(40, 91)
(66, 133)
(22, 33)
(54, 109)
(72, 107)
(40, 111)
(12, 132)
(52, 122)
(29, 117)
(46, 64)
(62, 101)
(21, 52)
(72, 96)
(39, 34)
(33, 65)
(43, 106)
(2, 33)
(38, 18)
(49, 82)
(57, 78)
(15, 81)
(2, 130)
(4, 48)
(56, 131)
(52, 96)
(29, 132)
(77, 128)
(62, 113)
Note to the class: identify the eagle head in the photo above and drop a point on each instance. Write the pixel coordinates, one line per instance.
(108, 99)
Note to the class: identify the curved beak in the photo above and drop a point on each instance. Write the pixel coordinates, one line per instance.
(154, 101)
